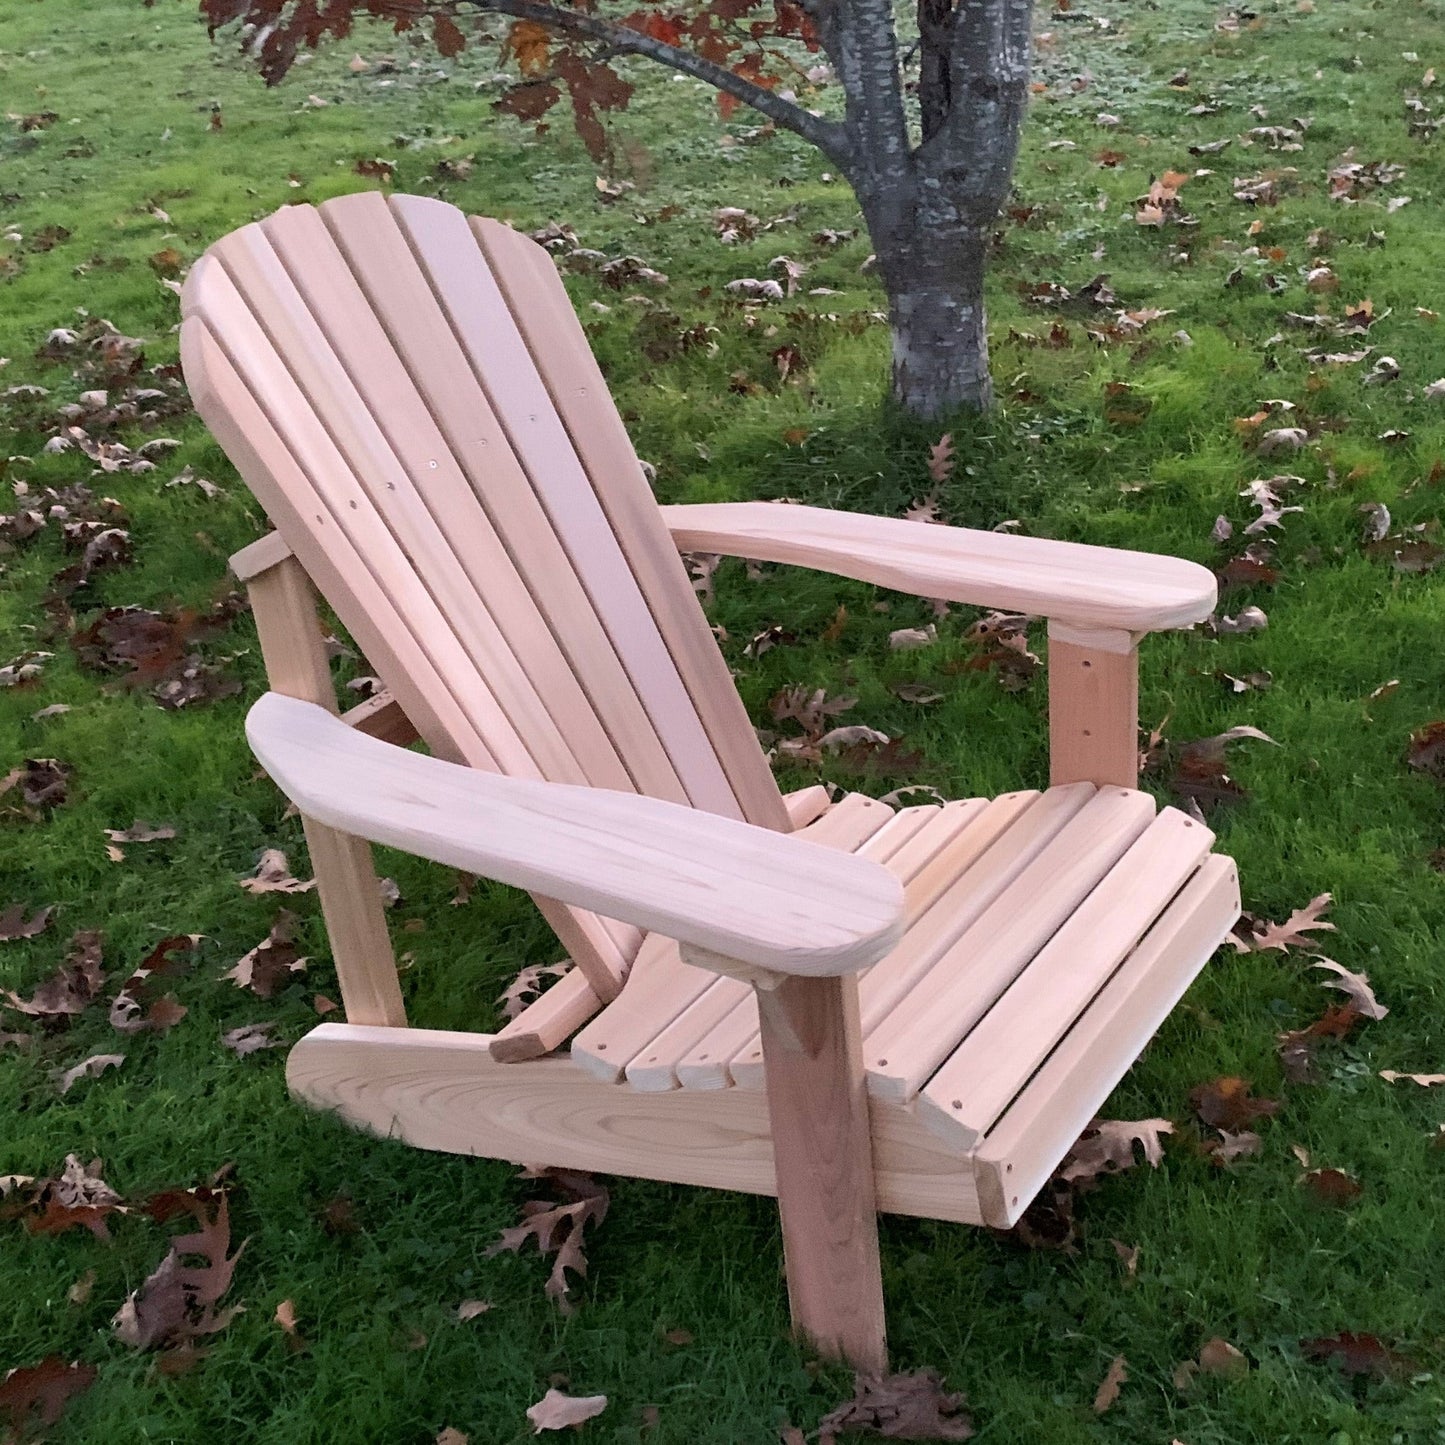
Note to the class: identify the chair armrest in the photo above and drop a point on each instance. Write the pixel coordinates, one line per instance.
(772, 901)
(1094, 587)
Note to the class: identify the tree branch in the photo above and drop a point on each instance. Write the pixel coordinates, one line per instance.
(828, 136)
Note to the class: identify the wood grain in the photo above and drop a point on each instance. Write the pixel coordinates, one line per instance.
(823, 1159)
(1098, 586)
(1024, 1148)
(769, 899)
(291, 645)
(442, 1090)
(1093, 709)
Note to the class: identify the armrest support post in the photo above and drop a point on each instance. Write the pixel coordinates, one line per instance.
(1093, 706)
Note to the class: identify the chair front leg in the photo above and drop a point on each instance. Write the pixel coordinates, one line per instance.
(823, 1155)
(1093, 706)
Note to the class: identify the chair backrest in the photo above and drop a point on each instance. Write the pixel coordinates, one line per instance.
(411, 398)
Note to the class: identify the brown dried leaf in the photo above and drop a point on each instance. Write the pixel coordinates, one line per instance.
(912, 1406)
(1218, 1357)
(90, 1068)
(177, 1303)
(268, 967)
(36, 1395)
(1333, 1186)
(1426, 753)
(41, 784)
(14, 924)
(1107, 1147)
(1108, 1392)
(558, 1228)
(71, 988)
(1356, 1354)
(139, 1004)
(250, 1038)
(1425, 1081)
(1355, 985)
(1226, 1104)
(528, 986)
(79, 1198)
(556, 1411)
(469, 1309)
(1294, 932)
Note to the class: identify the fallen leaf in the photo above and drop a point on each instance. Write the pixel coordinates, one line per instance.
(177, 1302)
(911, 1406)
(1229, 1147)
(268, 967)
(1108, 1392)
(71, 988)
(1426, 753)
(1355, 1354)
(1425, 1081)
(907, 639)
(1128, 1256)
(469, 1309)
(79, 1292)
(1332, 1186)
(1355, 985)
(452, 1436)
(1107, 1146)
(78, 1198)
(1294, 932)
(1227, 1104)
(556, 1411)
(1218, 1357)
(91, 1068)
(14, 924)
(273, 875)
(139, 1005)
(38, 1394)
(250, 1038)
(558, 1229)
(528, 986)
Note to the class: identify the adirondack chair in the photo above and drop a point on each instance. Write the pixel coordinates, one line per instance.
(849, 1007)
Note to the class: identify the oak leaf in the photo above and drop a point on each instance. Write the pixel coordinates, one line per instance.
(558, 1229)
(273, 875)
(556, 1411)
(912, 1406)
(38, 1394)
(1355, 985)
(1107, 1146)
(1227, 1104)
(90, 1068)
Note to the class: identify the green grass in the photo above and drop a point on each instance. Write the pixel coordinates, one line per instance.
(1029, 1336)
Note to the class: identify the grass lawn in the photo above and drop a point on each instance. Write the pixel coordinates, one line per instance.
(159, 143)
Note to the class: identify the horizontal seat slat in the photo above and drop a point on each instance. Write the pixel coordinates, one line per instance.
(709, 1063)
(999, 1054)
(1023, 1149)
(655, 1066)
(902, 1053)
(661, 986)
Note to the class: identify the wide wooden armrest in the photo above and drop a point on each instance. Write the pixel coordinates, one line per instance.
(1097, 587)
(729, 889)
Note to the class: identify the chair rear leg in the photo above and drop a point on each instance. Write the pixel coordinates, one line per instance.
(823, 1154)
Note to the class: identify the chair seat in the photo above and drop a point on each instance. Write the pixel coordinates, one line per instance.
(1048, 934)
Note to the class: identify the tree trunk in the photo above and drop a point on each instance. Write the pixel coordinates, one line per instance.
(940, 329)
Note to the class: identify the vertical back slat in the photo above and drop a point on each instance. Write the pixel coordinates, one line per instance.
(507, 370)
(554, 336)
(368, 294)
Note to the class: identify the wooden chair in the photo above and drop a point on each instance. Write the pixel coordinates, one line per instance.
(846, 1006)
